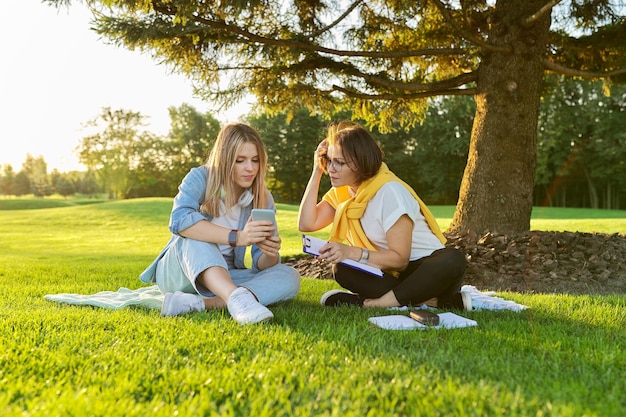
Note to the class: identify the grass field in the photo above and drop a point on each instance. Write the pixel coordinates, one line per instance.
(562, 357)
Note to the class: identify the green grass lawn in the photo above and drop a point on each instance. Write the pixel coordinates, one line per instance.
(562, 357)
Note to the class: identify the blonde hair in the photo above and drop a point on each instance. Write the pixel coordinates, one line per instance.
(220, 166)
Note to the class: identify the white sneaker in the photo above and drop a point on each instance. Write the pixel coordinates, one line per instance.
(178, 303)
(467, 301)
(245, 308)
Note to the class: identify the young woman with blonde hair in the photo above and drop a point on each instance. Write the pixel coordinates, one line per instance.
(202, 266)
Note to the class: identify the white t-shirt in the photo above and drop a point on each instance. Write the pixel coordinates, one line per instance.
(228, 222)
(384, 209)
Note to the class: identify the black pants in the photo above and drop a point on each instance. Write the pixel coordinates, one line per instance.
(438, 275)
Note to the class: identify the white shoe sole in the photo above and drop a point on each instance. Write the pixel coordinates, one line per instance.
(259, 318)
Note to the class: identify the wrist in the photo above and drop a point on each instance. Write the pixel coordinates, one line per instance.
(365, 256)
(233, 237)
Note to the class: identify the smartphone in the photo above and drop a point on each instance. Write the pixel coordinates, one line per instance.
(265, 214)
(425, 317)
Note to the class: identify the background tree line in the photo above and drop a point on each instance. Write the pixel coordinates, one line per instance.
(580, 152)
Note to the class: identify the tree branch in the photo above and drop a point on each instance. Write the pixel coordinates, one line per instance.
(547, 8)
(338, 20)
(395, 96)
(451, 84)
(457, 81)
(560, 69)
(345, 68)
(317, 48)
(465, 34)
(304, 46)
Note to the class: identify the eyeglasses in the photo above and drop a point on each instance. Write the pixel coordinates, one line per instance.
(334, 164)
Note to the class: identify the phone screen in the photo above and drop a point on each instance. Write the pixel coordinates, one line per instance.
(264, 214)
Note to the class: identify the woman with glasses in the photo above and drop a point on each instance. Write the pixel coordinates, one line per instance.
(378, 220)
(202, 267)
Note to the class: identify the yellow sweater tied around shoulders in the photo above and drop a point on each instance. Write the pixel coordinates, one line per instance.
(349, 209)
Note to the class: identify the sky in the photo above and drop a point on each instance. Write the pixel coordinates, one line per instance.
(56, 74)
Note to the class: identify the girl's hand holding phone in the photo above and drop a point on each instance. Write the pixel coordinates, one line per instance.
(270, 245)
(267, 216)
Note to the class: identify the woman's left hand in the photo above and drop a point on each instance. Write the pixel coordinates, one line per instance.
(270, 245)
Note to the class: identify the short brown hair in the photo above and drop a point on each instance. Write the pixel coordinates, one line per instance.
(361, 152)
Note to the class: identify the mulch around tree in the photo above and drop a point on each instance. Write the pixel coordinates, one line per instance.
(534, 261)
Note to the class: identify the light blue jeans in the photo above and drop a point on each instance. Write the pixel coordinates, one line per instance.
(186, 259)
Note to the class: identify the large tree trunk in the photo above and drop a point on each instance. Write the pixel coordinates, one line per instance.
(496, 190)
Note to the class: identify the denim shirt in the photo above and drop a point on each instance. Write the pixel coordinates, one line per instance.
(186, 212)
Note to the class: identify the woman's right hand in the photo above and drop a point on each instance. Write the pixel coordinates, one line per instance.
(311, 216)
(319, 162)
(256, 231)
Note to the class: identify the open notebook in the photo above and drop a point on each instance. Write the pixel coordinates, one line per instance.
(312, 245)
(403, 322)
